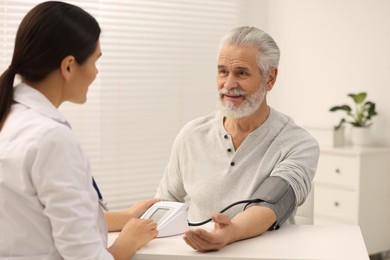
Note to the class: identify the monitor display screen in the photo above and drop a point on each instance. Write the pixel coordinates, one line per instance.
(158, 214)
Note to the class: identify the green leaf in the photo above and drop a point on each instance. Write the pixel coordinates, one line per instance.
(370, 107)
(362, 113)
(358, 98)
(343, 107)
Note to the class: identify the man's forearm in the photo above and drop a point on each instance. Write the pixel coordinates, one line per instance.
(252, 222)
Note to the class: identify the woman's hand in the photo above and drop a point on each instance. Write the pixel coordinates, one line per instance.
(116, 220)
(141, 230)
(138, 208)
(135, 234)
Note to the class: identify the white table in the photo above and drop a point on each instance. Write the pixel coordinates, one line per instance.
(293, 242)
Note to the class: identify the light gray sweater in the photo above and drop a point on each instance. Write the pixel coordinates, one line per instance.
(207, 172)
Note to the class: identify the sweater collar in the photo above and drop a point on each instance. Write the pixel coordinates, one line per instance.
(258, 131)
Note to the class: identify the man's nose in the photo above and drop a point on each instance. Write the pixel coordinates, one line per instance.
(231, 82)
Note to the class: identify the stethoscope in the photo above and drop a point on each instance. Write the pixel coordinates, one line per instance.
(102, 203)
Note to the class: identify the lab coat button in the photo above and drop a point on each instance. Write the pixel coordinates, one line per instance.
(232, 163)
(225, 136)
(229, 150)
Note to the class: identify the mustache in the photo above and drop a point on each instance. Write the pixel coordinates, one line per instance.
(233, 91)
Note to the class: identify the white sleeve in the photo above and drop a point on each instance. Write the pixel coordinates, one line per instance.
(61, 176)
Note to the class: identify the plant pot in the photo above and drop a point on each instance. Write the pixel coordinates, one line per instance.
(327, 135)
(338, 137)
(361, 136)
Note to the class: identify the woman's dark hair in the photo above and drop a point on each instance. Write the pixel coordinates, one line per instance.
(47, 34)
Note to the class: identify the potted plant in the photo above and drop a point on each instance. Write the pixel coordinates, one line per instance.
(360, 117)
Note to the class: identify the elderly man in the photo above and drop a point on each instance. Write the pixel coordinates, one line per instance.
(246, 150)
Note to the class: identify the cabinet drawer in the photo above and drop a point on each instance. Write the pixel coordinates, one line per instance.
(336, 204)
(339, 170)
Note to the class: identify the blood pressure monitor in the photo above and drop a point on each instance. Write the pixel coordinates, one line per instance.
(171, 217)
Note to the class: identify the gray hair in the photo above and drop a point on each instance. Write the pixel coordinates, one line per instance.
(268, 50)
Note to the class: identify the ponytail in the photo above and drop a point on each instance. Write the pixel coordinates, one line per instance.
(6, 93)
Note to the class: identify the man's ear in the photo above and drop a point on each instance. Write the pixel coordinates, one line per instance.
(273, 74)
(67, 66)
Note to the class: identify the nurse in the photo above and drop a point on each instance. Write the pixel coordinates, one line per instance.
(49, 207)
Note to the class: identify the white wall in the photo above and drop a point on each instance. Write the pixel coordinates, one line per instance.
(331, 48)
(201, 81)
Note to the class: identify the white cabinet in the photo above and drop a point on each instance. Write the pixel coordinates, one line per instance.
(352, 186)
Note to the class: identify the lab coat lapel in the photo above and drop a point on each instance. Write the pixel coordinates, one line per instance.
(32, 98)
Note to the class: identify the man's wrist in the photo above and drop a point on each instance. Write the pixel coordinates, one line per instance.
(235, 233)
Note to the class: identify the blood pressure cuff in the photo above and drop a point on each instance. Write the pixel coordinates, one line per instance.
(277, 194)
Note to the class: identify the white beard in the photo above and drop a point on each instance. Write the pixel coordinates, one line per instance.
(249, 105)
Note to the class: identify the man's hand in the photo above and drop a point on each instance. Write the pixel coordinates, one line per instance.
(203, 241)
(246, 224)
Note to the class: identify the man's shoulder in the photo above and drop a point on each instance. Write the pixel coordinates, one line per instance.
(205, 121)
(201, 125)
(288, 127)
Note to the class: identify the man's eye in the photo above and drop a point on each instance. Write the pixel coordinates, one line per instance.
(242, 73)
(222, 72)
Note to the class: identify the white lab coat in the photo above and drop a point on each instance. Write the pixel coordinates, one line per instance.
(48, 206)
